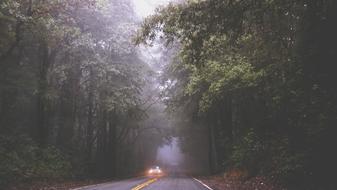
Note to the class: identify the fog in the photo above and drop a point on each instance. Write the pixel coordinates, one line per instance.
(170, 154)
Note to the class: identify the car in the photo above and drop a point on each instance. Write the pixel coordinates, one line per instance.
(155, 171)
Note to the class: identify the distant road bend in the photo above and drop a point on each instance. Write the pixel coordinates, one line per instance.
(157, 183)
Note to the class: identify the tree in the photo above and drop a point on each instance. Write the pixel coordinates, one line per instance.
(71, 90)
(242, 73)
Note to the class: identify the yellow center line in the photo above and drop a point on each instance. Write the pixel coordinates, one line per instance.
(141, 186)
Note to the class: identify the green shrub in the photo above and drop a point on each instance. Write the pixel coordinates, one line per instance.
(287, 164)
(248, 153)
(22, 160)
(274, 158)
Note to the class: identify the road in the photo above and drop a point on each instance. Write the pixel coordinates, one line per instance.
(162, 183)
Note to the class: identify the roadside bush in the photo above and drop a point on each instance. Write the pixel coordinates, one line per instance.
(286, 164)
(22, 160)
(248, 153)
(274, 158)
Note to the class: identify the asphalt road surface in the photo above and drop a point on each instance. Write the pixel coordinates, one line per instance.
(162, 183)
(175, 183)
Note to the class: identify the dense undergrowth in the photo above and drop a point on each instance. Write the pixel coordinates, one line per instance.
(21, 160)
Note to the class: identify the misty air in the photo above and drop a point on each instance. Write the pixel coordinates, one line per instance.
(168, 94)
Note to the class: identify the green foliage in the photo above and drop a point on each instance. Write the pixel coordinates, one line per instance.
(22, 160)
(287, 165)
(257, 66)
(70, 77)
(219, 79)
(248, 152)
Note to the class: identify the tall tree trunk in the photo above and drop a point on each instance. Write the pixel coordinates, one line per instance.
(103, 155)
(213, 161)
(90, 114)
(42, 115)
(113, 143)
(68, 107)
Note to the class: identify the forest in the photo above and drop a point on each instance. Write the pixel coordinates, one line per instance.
(74, 93)
(244, 85)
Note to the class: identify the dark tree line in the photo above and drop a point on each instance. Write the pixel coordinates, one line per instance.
(257, 78)
(71, 91)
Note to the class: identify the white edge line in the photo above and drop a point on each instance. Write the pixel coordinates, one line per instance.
(202, 184)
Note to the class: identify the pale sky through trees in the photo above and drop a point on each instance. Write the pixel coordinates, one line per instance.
(144, 8)
(168, 154)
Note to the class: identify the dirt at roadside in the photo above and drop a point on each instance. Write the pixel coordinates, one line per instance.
(235, 180)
